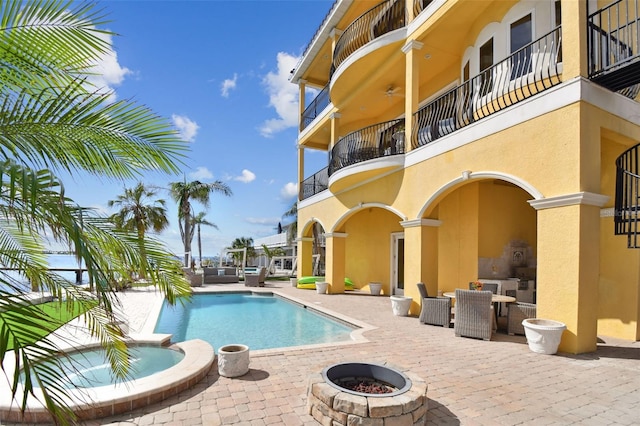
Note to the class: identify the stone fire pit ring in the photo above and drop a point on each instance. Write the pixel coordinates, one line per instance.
(330, 403)
(398, 380)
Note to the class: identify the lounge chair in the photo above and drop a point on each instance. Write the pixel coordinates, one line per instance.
(434, 310)
(473, 314)
(255, 280)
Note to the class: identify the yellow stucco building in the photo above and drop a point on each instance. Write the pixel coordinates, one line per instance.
(472, 139)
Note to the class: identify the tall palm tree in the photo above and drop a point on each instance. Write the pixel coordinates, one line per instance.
(293, 226)
(240, 243)
(183, 192)
(199, 220)
(51, 121)
(139, 211)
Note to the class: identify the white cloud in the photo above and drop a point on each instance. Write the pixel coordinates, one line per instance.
(188, 129)
(201, 173)
(283, 96)
(289, 191)
(107, 72)
(246, 176)
(227, 85)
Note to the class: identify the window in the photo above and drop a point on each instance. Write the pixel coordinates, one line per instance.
(486, 61)
(558, 21)
(521, 36)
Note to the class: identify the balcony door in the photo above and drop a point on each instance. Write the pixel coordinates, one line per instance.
(521, 35)
(397, 263)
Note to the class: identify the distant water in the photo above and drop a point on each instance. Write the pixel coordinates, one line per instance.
(55, 261)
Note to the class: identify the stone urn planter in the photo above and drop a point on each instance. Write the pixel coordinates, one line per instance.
(375, 287)
(321, 287)
(400, 305)
(233, 360)
(543, 335)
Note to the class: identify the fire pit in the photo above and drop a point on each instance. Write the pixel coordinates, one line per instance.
(347, 393)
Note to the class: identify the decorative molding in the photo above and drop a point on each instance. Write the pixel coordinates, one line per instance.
(305, 239)
(586, 198)
(336, 235)
(610, 212)
(412, 45)
(335, 33)
(420, 222)
(335, 115)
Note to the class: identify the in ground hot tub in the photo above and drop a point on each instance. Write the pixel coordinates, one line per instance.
(348, 393)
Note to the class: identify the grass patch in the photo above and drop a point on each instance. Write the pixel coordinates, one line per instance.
(32, 323)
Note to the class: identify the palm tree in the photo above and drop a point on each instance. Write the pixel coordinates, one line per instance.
(270, 253)
(138, 213)
(50, 121)
(199, 220)
(183, 193)
(240, 243)
(293, 226)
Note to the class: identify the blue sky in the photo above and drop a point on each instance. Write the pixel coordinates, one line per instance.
(219, 70)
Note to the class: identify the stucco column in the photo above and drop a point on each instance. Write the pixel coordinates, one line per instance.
(412, 72)
(302, 103)
(335, 128)
(300, 171)
(569, 266)
(305, 259)
(335, 261)
(574, 39)
(421, 240)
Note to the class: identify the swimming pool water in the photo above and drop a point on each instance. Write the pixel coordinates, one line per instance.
(258, 321)
(90, 368)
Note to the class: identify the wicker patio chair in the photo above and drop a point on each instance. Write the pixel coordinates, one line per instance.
(474, 317)
(518, 311)
(492, 287)
(434, 310)
(255, 280)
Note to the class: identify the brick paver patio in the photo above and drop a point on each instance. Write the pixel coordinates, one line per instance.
(470, 382)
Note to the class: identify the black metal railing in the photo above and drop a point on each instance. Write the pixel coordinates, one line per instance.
(614, 37)
(527, 72)
(317, 105)
(385, 17)
(315, 184)
(627, 196)
(420, 5)
(378, 140)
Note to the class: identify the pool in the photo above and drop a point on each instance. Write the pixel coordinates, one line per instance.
(90, 367)
(97, 401)
(260, 321)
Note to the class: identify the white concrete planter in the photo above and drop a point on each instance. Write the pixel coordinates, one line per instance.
(374, 288)
(321, 287)
(233, 360)
(543, 335)
(400, 305)
(294, 282)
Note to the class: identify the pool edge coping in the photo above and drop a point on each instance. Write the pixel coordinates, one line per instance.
(357, 335)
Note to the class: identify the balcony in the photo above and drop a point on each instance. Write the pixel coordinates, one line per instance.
(614, 47)
(531, 70)
(316, 106)
(314, 184)
(377, 21)
(527, 72)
